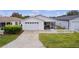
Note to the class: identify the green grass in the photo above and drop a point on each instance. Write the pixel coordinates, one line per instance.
(7, 38)
(65, 40)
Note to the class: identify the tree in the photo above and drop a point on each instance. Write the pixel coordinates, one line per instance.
(16, 15)
(19, 15)
(73, 12)
(23, 17)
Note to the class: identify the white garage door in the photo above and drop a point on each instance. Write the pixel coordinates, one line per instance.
(31, 26)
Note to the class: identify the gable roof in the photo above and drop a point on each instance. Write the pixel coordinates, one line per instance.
(66, 18)
(29, 18)
(8, 19)
(42, 18)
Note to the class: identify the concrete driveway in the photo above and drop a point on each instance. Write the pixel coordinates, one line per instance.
(28, 39)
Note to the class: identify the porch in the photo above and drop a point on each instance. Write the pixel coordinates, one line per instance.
(49, 25)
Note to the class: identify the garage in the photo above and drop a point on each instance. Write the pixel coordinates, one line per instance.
(32, 24)
(37, 23)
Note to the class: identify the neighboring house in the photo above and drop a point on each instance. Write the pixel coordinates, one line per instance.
(68, 22)
(63, 21)
(74, 24)
(9, 20)
(38, 23)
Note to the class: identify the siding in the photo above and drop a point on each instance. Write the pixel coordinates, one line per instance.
(63, 24)
(74, 24)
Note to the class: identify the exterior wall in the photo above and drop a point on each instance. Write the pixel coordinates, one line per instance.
(74, 24)
(39, 26)
(63, 24)
(39, 19)
(14, 22)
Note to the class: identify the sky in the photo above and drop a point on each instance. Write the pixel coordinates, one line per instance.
(48, 13)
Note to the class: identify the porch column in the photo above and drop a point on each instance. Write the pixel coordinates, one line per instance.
(52, 25)
(68, 24)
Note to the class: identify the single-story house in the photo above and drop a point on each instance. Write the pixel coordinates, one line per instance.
(68, 22)
(9, 20)
(32, 23)
(74, 24)
(38, 23)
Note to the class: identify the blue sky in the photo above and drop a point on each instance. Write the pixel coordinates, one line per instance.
(34, 12)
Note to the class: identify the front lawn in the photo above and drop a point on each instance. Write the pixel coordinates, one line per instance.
(7, 38)
(65, 40)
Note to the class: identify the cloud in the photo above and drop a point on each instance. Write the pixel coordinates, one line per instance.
(35, 12)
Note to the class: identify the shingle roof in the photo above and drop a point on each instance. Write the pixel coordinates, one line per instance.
(7, 19)
(42, 18)
(66, 18)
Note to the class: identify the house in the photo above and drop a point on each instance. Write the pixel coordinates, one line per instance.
(68, 22)
(63, 21)
(38, 22)
(74, 24)
(9, 20)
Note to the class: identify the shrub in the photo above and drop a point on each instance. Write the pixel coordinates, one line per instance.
(12, 29)
(2, 28)
(59, 27)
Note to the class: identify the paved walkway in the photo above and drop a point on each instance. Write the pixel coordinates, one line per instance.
(28, 39)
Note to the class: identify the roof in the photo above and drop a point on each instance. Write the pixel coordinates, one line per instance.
(66, 18)
(8, 19)
(42, 18)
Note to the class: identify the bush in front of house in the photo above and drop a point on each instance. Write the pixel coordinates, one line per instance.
(59, 27)
(12, 29)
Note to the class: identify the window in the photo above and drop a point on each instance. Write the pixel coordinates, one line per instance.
(9, 23)
(26, 22)
(31, 23)
(37, 23)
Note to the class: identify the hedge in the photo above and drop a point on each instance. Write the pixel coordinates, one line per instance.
(12, 29)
